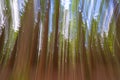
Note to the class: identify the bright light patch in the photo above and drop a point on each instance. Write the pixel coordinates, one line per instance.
(15, 15)
(2, 7)
(65, 3)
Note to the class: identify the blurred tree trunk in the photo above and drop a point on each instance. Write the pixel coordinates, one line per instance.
(43, 53)
(117, 29)
(56, 43)
(24, 43)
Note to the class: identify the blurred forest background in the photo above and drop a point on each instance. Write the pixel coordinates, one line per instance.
(59, 39)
